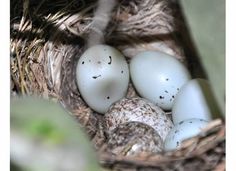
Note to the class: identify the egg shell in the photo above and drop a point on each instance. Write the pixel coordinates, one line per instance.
(102, 76)
(133, 138)
(182, 131)
(139, 110)
(194, 100)
(158, 77)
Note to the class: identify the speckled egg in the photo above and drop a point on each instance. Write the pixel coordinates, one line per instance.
(133, 138)
(158, 77)
(139, 110)
(102, 76)
(182, 131)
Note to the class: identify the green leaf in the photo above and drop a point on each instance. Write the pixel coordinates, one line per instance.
(206, 21)
(45, 137)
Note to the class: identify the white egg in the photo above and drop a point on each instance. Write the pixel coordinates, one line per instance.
(194, 100)
(102, 76)
(158, 77)
(182, 131)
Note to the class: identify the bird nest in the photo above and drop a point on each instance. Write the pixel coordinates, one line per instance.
(48, 37)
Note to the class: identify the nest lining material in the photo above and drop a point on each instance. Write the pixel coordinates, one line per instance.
(47, 40)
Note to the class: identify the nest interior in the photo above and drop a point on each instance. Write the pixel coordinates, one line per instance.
(48, 37)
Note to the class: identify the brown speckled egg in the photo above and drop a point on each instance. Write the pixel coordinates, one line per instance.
(139, 110)
(133, 138)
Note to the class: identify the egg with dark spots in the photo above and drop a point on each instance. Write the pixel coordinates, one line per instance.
(182, 131)
(158, 76)
(99, 77)
(134, 138)
(138, 110)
